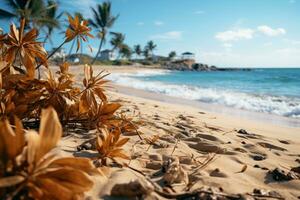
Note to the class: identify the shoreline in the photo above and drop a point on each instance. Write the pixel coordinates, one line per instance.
(210, 107)
(190, 135)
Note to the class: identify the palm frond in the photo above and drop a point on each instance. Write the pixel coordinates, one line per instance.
(6, 14)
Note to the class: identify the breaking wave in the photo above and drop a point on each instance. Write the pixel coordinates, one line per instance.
(279, 105)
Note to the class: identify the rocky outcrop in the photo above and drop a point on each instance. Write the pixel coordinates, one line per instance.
(191, 65)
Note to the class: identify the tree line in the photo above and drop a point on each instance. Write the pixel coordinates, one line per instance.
(45, 16)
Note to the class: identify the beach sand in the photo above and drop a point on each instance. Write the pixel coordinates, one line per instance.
(204, 148)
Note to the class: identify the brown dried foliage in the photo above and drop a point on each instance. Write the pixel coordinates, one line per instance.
(77, 30)
(29, 167)
(109, 146)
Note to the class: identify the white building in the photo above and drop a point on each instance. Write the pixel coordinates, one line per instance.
(187, 56)
(107, 55)
(60, 54)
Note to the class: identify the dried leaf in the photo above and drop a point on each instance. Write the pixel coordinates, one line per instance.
(243, 169)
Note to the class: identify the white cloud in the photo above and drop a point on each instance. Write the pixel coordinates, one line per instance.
(158, 23)
(292, 42)
(227, 45)
(234, 35)
(172, 35)
(270, 31)
(140, 23)
(267, 44)
(199, 12)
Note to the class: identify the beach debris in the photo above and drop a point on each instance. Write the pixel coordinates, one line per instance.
(296, 169)
(243, 169)
(243, 131)
(284, 141)
(283, 175)
(151, 140)
(266, 193)
(174, 173)
(109, 146)
(258, 157)
(136, 188)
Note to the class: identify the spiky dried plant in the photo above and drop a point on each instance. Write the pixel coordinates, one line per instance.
(58, 91)
(25, 47)
(93, 88)
(78, 30)
(109, 146)
(31, 168)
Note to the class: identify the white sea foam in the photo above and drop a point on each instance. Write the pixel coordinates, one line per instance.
(284, 106)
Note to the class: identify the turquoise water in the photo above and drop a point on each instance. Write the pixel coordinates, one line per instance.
(275, 91)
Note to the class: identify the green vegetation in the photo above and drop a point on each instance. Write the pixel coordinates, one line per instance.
(44, 16)
(103, 20)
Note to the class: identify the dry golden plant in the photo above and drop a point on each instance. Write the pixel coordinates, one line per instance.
(31, 168)
(23, 95)
(109, 146)
(24, 46)
(58, 91)
(78, 30)
(93, 88)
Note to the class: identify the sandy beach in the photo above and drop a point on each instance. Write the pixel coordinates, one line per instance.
(241, 153)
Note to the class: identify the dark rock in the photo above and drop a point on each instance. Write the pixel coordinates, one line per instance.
(282, 175)
(266, 193)
(258, 157)
(256, 166)
(296, 169)
(297, 160)
(284, 142)
(243, 142)
(243, 131)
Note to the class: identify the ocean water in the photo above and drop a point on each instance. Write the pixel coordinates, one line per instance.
(275, 91)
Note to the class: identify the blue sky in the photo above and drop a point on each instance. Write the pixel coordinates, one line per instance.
(227, 33)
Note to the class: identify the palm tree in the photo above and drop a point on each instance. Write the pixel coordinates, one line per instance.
(125, 51)
(151, 46)
(102, 21)
(172, 55)
(146, 52)
(117, 41)
(51, 13)
(137, 50)
(33, 11)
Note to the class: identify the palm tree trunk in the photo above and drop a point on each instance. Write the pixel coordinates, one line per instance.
(73, 42)
(98, 52)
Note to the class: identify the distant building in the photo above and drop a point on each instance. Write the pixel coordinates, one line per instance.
(76, 60)
(187, 56)
(107, 55)
(59, 54)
